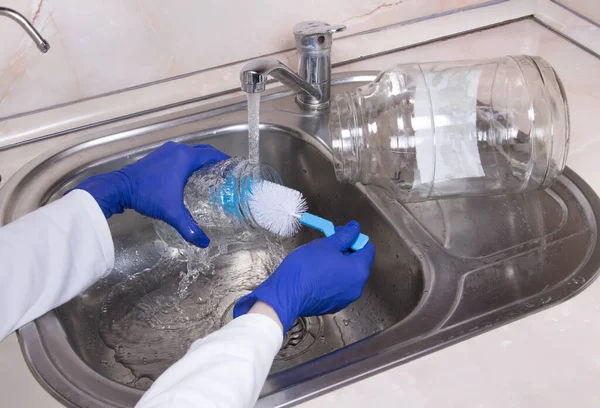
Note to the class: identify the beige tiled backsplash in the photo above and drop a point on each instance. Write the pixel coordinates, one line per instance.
(104, 46)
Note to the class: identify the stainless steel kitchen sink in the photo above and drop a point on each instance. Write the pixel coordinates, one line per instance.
(444, 271)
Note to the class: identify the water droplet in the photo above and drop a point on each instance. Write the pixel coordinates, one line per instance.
(578, 280)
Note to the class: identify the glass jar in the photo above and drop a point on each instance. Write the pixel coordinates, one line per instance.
(453, 129)
(217, 199)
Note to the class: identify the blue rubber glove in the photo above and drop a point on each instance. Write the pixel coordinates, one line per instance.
(318, 278)
(153, 186)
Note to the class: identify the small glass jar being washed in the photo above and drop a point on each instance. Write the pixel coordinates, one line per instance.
(453, 129)
(217, 197)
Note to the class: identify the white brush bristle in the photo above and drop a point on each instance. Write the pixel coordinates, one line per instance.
(277, 208)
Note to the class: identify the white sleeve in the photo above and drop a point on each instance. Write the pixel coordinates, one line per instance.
(49, 256)
(227, 368)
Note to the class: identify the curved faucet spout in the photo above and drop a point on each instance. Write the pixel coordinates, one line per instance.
(41, 43)
(255, 73)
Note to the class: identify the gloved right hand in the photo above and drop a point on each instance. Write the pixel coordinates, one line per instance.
(318, 278)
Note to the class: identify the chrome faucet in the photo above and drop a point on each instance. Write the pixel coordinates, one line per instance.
(42, 44)
(313, 81)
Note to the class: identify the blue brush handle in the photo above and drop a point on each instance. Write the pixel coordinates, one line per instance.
(327, 228)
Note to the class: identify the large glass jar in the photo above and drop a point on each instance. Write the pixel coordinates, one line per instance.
(453, 129)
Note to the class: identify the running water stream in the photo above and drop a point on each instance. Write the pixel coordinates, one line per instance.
(253, 127)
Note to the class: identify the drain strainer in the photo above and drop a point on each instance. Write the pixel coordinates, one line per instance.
(299, 338)
(296, 334)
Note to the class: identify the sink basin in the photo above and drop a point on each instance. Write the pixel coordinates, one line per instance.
(108, 338)
(444, 271)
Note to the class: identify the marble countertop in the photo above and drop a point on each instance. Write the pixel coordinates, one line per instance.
(549, 359)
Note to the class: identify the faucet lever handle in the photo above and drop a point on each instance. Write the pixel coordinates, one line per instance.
(336, 28)
(315, 35)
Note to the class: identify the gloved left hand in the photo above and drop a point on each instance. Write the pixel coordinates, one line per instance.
(153, 186)
(318, 278)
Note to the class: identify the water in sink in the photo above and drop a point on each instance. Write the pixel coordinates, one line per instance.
(151, 318)
(149, 326)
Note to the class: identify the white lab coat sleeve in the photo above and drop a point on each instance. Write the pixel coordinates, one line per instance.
(49, 256)
(227, 368)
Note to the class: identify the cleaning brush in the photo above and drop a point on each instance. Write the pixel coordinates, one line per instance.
(282, 210)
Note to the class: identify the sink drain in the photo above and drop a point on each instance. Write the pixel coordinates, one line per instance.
(296, 334)
(299, 338)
